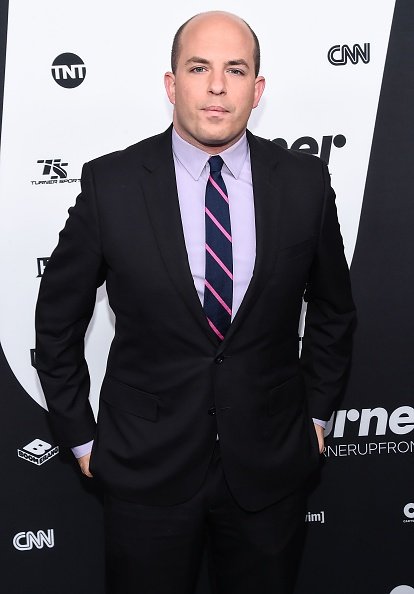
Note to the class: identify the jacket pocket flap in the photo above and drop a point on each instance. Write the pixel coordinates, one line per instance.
(287, 395)
(129, 399)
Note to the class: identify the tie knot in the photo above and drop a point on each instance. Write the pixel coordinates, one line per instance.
(216, 163)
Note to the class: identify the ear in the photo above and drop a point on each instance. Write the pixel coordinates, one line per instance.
(169, 83)
(259, 87)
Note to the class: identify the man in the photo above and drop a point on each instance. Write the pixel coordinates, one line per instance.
(208, 237)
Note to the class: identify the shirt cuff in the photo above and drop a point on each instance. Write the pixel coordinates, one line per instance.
(319, 422)
(82, 450)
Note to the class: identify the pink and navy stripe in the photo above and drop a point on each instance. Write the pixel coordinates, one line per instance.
(218, 292)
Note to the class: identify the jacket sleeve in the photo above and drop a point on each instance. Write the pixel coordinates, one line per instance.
(64, 308)
(330, 315)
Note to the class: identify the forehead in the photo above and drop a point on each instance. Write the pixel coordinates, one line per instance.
(209, 36)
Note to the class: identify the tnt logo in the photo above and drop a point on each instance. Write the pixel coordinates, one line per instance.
(25, 541)
(38, 452)
(68, 70)
(339, 55)
(54, 166)
(402, 590)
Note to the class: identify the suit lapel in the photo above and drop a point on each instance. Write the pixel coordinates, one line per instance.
(267, 205)
(160, 191)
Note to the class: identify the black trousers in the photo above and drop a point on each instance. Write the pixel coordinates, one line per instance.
(158, 549)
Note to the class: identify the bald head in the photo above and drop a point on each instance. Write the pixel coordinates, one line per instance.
(217, 15)
(213, 86)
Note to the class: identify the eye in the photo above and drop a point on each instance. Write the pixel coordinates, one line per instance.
(198, 69)
(236, 71)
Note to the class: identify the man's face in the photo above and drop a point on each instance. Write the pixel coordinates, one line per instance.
(214, 88)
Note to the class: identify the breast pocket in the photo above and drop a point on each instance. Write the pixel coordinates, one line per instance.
(297, 250)
(292, 268)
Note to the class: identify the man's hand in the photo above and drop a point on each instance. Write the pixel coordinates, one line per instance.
(321, 438)
(84, 464)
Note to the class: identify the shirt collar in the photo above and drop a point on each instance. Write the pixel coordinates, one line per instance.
(194, 159)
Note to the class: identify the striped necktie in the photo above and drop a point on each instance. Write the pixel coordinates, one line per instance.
(218, 290)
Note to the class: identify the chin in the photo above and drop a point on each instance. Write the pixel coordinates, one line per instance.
(214, 142)
(215, 139)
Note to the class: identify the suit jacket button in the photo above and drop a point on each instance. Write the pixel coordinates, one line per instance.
(212, 411)
(219, 359)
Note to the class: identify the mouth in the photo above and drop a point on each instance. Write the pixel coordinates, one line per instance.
(215, 109)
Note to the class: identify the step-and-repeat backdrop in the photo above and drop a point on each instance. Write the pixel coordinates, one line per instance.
(86, 78)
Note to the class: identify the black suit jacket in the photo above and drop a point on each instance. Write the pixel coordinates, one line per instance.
(169, 385)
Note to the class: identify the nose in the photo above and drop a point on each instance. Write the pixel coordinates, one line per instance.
(217, 83)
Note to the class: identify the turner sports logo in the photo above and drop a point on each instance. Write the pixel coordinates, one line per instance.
(37, 452)
(365, 425)
(53, 172)
(308, 144)
(25, 541)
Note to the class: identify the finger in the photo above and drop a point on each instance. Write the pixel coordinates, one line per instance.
(85, 470)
